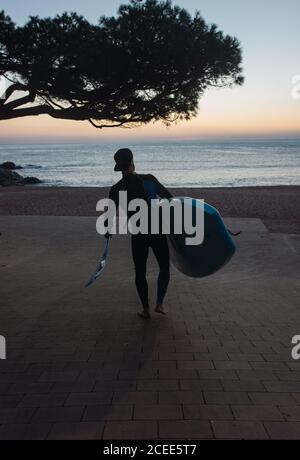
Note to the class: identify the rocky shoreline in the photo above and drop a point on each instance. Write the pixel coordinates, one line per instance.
(9, 177)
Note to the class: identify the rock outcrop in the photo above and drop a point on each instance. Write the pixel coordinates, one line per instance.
(9, 177)
(9, 165)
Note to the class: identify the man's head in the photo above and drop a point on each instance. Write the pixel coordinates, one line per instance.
(124, 160)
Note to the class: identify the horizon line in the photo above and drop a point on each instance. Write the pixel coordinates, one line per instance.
(156, 140)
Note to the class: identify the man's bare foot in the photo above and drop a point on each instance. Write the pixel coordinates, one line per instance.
(160, 309)
(144, 313)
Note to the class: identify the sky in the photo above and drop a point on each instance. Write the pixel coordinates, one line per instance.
(269, 33)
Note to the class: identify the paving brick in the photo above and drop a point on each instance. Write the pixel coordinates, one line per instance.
(17, 415)
(217, 356)
(178, 374)
(138, 357)
(293, 365)
(12, 366)
(272, 399)
(92, 371)
(157, 412)
(185, 429)
(4, 388)
(196, 340)
(191, 348)
(290, 413)
(289, 376)
(122, 365)
(263, 347)
(218, 374)
(31, 388)
(58, 414)
(108, 412)
(261, 413)
(76, 431)
(36, 400)
(239, 430)
(230, 345)
(282, 387)
(283, 430)
(83, 399)
(180, 397)
(296, 397)
(232, 365)
(195, 364)
(77, 387)
(157, 385)
(146, 374)
(198, 385)
(135, 397)
(256, 374)
(162, 347)
(277, 357)
(274, 366)
(144, 365)
(24, 431)
(7, 400)
(18, 377)
(253, 357)
(39, 368)
(165, 356)
(228, 397)
(97, 374)
(63, 376)
(130, 430)
(207, 412)
(242, 385)
(278, 347)
(115, 385)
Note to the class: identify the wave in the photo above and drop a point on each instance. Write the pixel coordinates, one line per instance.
(33, 166)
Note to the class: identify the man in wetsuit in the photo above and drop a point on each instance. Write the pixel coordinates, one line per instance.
(147, 187)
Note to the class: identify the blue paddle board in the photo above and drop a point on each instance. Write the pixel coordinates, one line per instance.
(213, 253)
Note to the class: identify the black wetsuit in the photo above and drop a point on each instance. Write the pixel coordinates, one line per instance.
(147, 187)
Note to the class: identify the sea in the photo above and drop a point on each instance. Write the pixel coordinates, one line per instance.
(229, 163)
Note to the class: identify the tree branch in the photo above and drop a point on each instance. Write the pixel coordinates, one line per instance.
(28, 111)
(18, 102)
(11, 89)
(79, 114)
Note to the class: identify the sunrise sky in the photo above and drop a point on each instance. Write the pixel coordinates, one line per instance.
(263, 107)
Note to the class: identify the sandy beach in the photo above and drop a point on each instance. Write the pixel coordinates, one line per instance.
(278, 207)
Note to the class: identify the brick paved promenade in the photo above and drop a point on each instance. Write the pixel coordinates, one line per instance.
(81, 365)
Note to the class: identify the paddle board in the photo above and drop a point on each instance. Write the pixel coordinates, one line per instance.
(213, 253)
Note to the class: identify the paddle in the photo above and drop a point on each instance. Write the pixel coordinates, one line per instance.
(100, 266)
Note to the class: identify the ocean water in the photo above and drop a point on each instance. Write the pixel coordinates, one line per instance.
(178, 164)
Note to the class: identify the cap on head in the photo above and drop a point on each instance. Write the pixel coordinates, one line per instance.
(123, 159)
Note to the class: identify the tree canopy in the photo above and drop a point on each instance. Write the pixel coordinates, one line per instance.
(152, 61)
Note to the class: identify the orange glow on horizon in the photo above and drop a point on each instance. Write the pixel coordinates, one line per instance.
(227, 113)
(203, 126)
